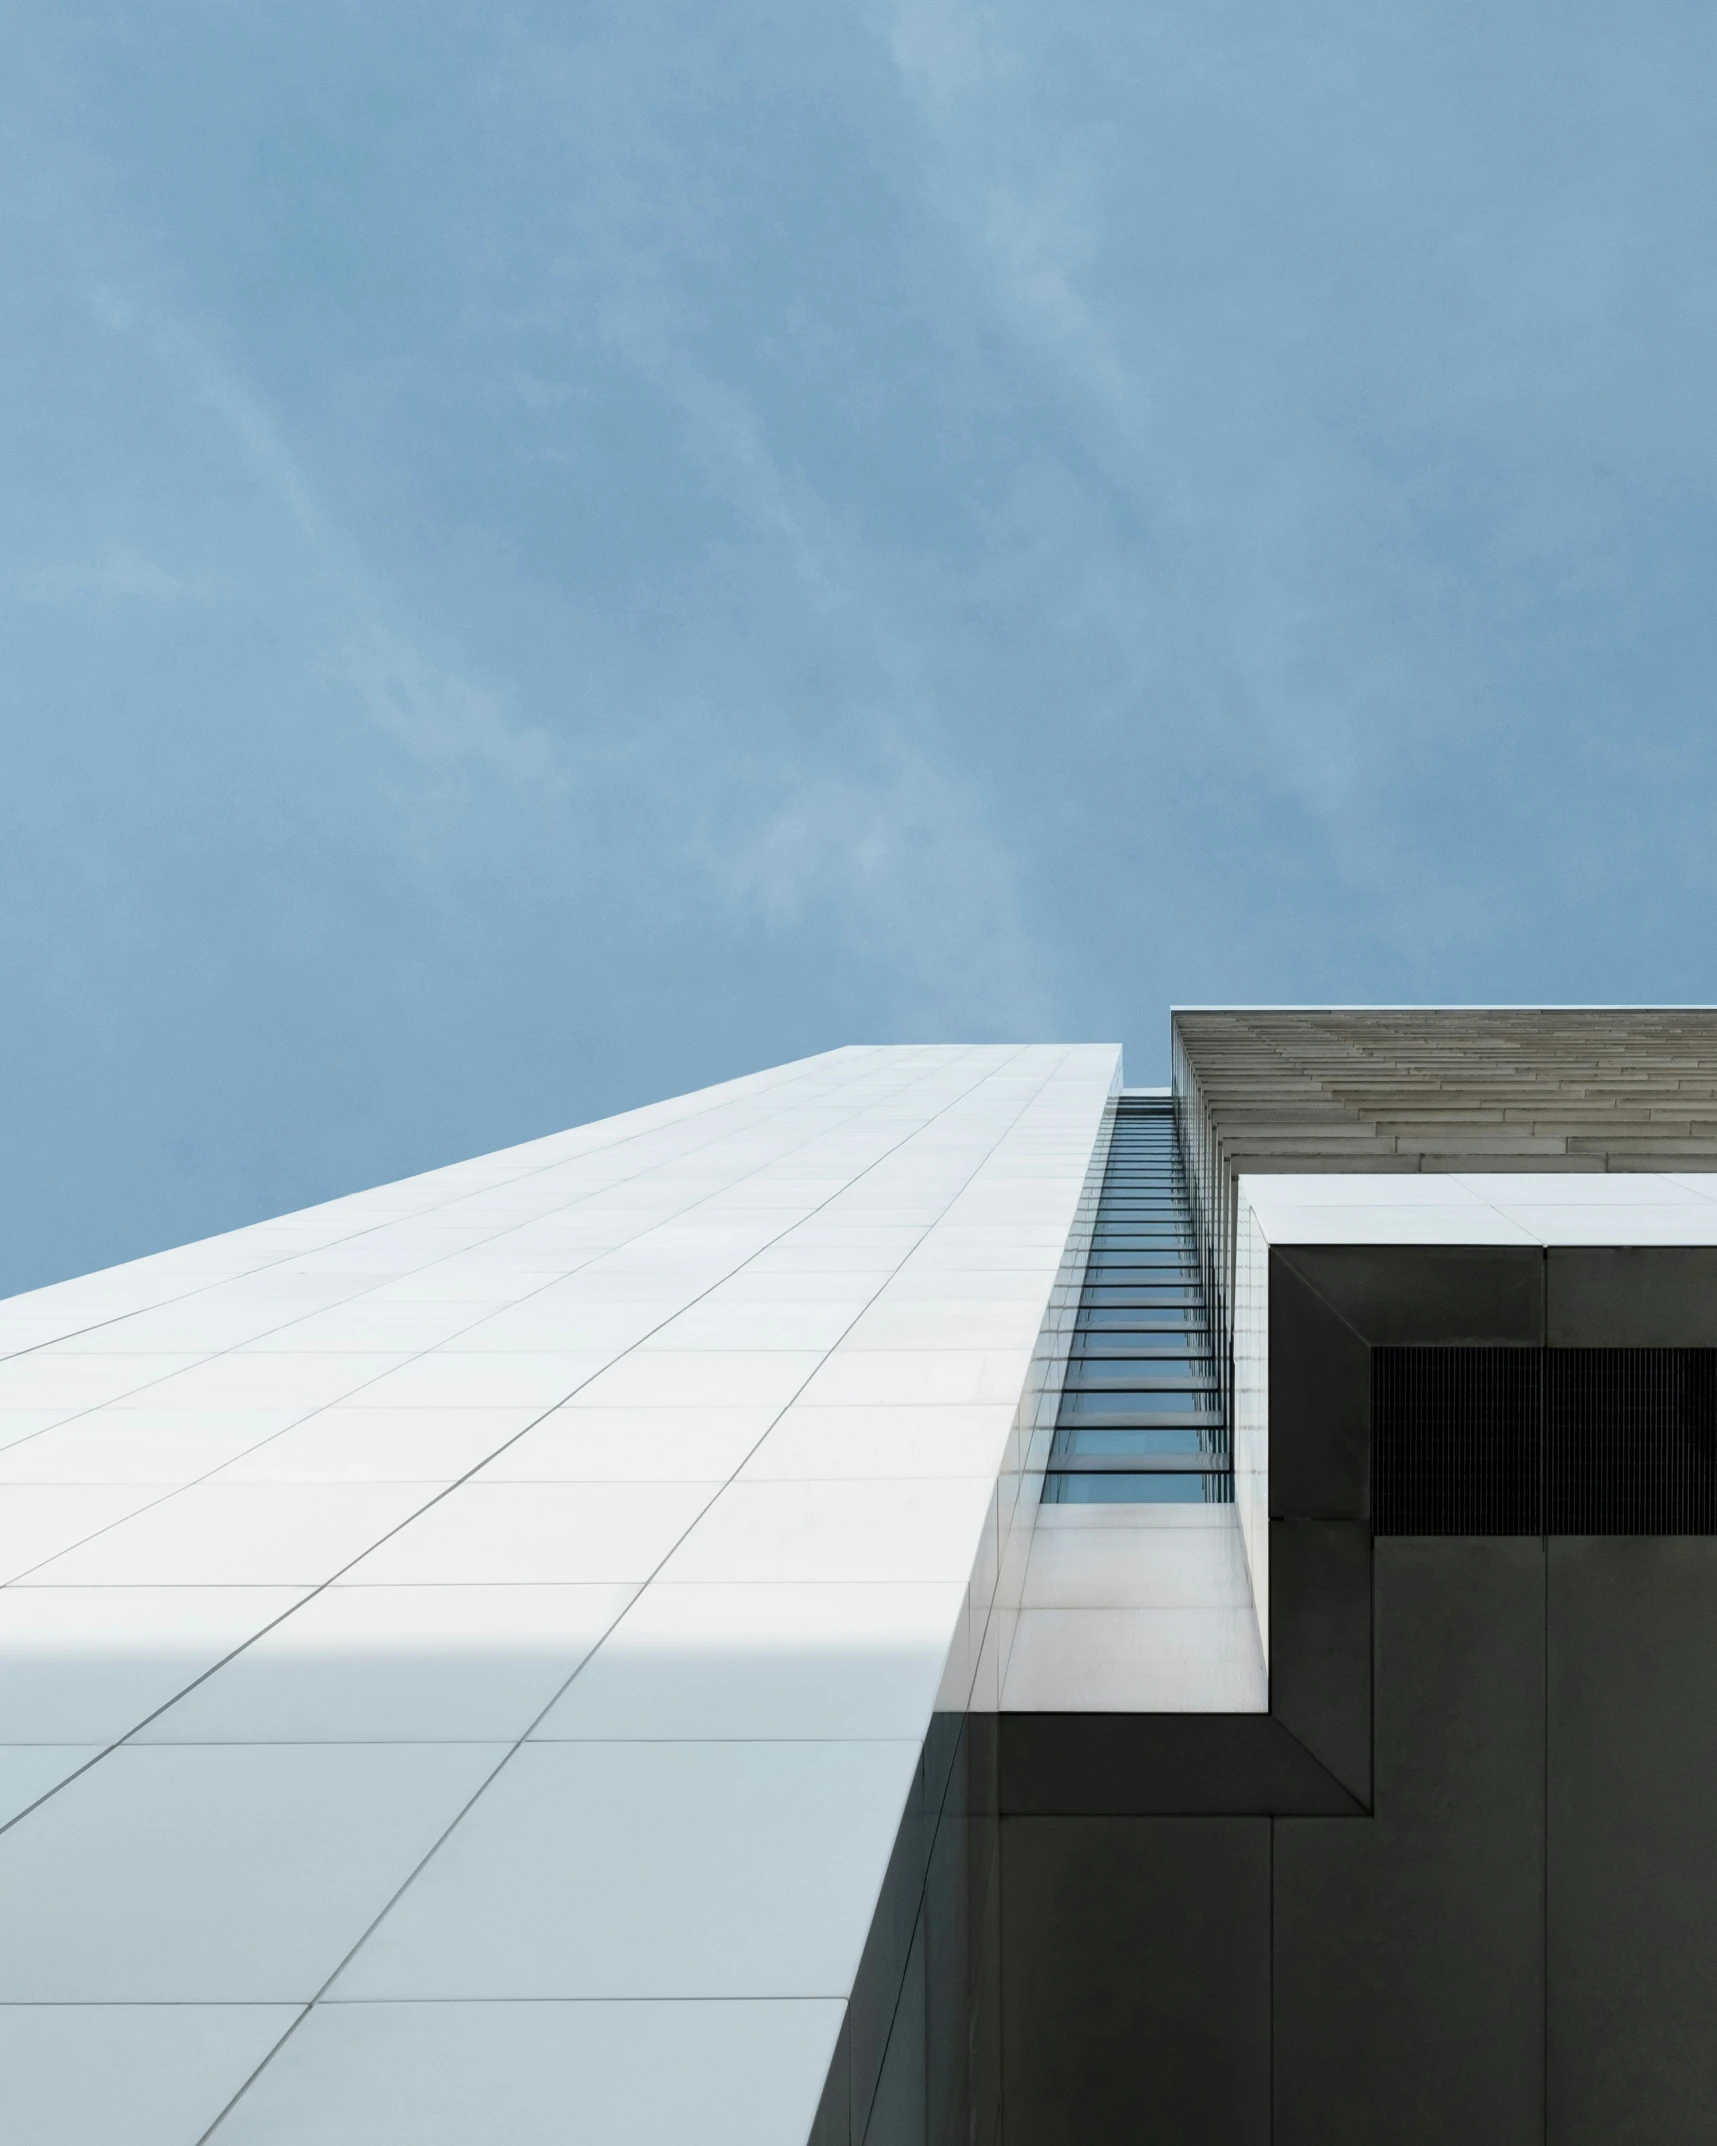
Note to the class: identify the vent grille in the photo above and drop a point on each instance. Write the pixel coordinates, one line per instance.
(1544, 1441)
(1455, 1444)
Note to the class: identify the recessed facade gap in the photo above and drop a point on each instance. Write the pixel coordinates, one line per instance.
(1142, 1416)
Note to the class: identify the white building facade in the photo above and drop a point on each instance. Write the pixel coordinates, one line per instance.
(918, 1596)
(467, 1649)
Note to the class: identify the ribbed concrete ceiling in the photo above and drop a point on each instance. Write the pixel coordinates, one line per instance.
(1512, 1088)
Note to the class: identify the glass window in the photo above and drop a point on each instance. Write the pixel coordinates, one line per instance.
(1141, 1416)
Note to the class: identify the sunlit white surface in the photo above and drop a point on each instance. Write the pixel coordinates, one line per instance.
(1138, 1609)
(1548, 1207)
(467, 1646)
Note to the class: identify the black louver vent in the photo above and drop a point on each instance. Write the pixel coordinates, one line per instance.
(1544, 1441)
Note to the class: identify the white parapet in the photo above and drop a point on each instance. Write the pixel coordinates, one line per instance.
(465, 1648)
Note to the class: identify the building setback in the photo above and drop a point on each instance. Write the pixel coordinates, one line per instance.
(919, 1596)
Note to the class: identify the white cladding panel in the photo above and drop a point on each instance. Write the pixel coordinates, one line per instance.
(464, 1648)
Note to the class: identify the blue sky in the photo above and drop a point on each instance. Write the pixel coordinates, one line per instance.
(549, 555)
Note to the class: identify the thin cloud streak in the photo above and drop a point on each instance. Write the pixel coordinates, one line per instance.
(550, 559)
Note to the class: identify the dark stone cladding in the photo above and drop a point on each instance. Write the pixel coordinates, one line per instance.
(1457, 1883)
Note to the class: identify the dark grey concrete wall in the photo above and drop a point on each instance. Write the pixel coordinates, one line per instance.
(1518, 1945)
(1409, 1947)
(1632, 1924)
(1135, 1980)
(1460, 1885)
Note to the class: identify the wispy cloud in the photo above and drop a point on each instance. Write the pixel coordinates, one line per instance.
(431, 707)
(900, 867)
(121, 574)
(569, 553)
